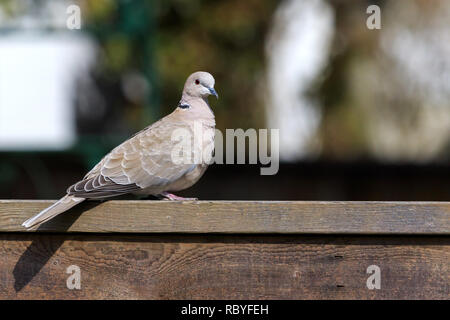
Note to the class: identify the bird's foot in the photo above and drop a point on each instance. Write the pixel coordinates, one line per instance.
(172, 197)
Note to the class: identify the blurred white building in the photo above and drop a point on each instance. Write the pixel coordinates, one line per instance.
(38, 70)
(297, 50)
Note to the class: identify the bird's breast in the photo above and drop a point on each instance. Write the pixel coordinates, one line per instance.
(203, 142)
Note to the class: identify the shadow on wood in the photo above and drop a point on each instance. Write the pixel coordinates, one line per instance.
(38, 253)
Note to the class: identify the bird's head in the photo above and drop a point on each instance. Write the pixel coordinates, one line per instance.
(200, 84)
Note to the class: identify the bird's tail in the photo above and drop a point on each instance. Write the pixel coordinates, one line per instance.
(63, 204)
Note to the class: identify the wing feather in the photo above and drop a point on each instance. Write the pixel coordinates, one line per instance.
(141, 162)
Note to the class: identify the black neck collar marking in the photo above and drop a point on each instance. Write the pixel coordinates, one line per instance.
(183, 105)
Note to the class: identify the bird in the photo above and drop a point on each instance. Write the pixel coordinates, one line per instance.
(144, 164)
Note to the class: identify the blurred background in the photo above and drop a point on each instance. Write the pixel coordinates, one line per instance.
(363, 114)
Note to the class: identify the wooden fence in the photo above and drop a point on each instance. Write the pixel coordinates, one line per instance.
(227, 250)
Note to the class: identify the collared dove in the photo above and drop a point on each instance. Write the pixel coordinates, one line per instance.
(144, 163)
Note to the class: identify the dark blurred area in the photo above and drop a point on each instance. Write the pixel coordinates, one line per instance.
(363, 114)
(306, 180)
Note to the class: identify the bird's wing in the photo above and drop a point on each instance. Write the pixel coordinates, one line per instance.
(144, 160)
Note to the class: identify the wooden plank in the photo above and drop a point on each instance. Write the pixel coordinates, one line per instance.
(288, 217)
(33, 266)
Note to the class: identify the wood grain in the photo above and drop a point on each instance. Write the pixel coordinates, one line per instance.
(244, 217)
(227, 250)
(33, 266)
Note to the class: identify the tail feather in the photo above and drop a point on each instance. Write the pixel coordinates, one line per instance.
(63, 204)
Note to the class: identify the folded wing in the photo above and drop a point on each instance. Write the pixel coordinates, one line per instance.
(143, 161)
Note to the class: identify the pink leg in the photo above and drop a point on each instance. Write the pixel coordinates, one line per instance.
(170, 196)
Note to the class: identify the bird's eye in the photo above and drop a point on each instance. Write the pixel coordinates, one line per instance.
(197, 81)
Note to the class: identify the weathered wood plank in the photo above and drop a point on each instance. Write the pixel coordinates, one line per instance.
(33, 266)
(288, 217)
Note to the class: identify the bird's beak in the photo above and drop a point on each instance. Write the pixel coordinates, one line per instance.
(213, 92)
